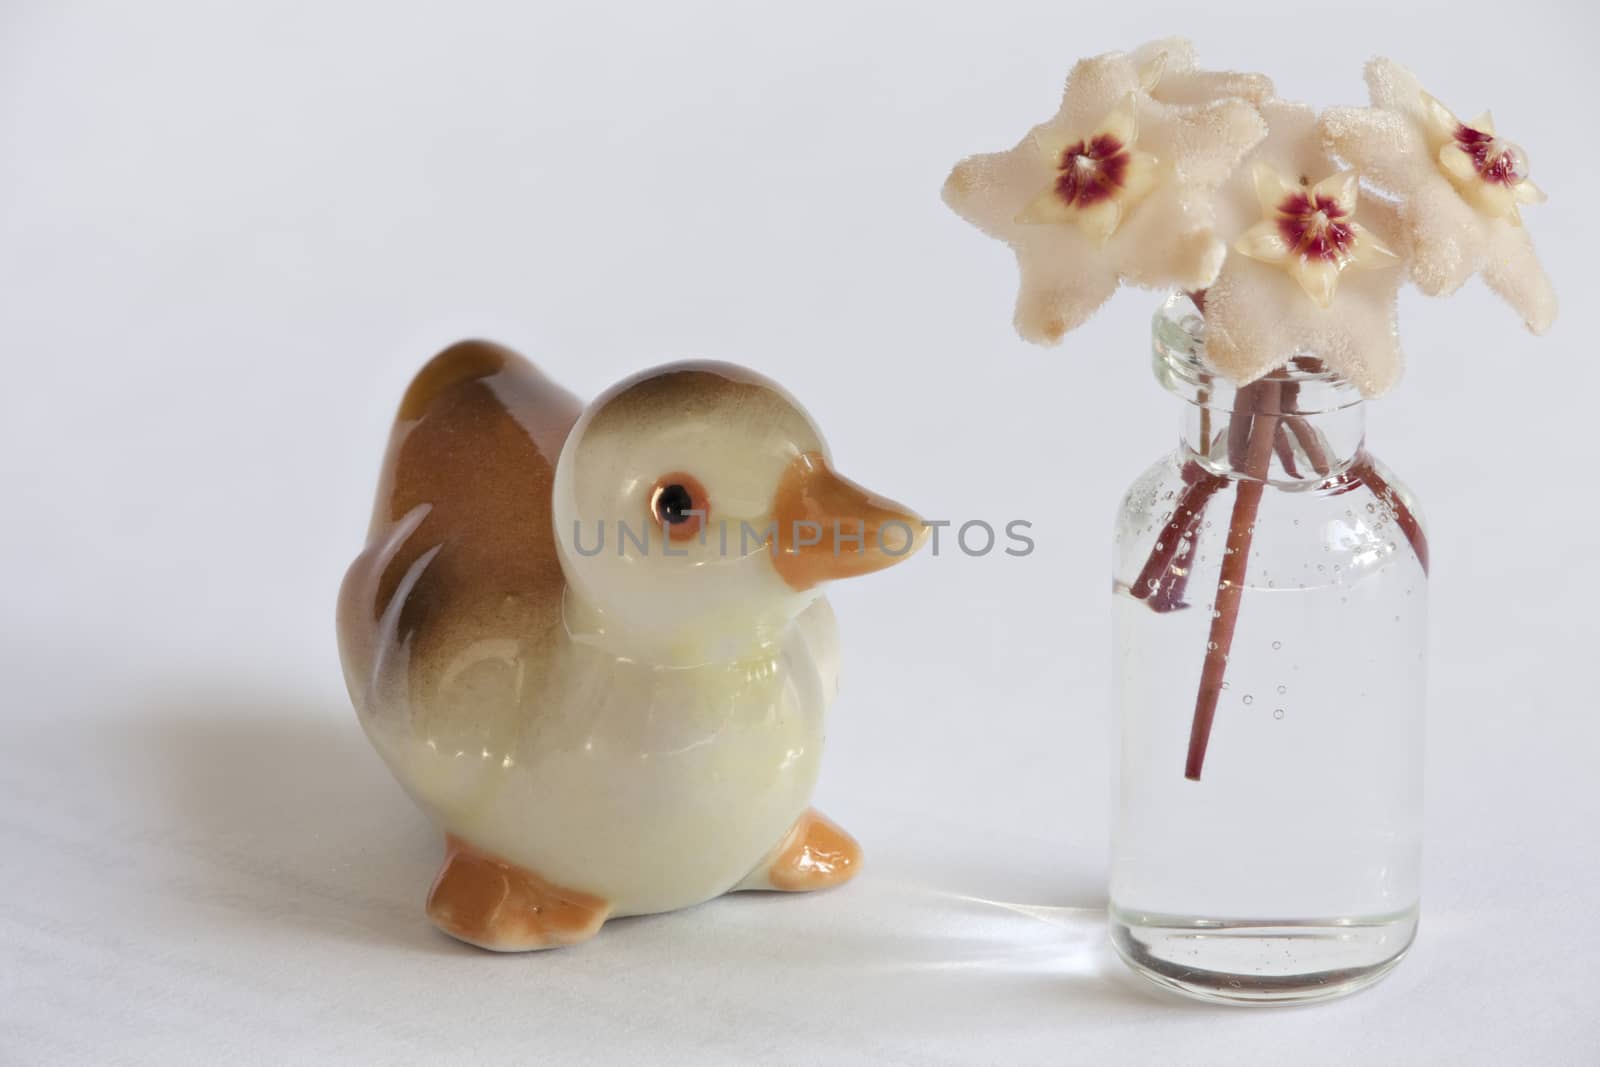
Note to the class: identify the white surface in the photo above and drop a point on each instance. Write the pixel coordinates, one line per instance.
(229, 234)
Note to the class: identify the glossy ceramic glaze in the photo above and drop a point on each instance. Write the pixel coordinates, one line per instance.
(591, 642)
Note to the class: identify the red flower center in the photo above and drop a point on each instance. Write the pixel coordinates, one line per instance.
(1497, 161)
(1317, 228)
(1092, 171)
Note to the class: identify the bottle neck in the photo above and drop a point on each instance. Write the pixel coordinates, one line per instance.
(1301, 424)
(1268, 432)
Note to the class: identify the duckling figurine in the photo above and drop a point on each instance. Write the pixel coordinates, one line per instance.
(591, 642)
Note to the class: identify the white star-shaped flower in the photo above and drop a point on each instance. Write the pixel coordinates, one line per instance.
(1118, 186)
(1288, 288)
(1458, 186)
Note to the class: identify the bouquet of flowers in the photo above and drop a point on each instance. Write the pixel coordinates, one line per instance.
(1292, 233)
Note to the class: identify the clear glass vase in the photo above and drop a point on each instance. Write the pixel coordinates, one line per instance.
(1270, 601)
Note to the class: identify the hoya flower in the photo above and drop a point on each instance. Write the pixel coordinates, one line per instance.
(1118, 186)
(1459, 187)
(1098, 177)
(1312, 233)
(1315, 267)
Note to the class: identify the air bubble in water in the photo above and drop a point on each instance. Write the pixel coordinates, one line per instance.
(1277, 713)
(1277, 645)
(1248, 699)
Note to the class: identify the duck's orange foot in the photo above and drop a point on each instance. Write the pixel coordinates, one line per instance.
(815, 854)
(483, 900)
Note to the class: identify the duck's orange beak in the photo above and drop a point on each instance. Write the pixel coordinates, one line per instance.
(829, 527)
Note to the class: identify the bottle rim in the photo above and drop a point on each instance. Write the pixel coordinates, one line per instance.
(1179, 360)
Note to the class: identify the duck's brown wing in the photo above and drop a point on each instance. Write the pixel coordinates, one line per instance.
(460, 579)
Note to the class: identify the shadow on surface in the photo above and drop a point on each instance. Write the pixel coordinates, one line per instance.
(282, 812)
(262, 816)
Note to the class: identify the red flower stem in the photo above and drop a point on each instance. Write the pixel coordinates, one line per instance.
(1162, 582)
(1404, 517)
(1200, 485)
(1364, 470)
(1263, 421)
(1170, 596)
(1285, 450)
(1309, 444)
(1251, 439)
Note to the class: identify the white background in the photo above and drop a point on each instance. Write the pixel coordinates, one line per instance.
(229, 233)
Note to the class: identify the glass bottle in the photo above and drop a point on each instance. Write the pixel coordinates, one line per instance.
(1270, 590)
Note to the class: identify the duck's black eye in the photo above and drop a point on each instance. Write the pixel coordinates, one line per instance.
(673, 504)
(678, 502)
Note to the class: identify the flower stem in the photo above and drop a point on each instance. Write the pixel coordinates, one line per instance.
(1362, 470)
(1404, 517)
(1163, 580)
(1309, 444)
(1285, 450)
(1264, 421)
(1252, 438)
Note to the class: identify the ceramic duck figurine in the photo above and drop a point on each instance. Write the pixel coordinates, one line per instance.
(591, 642)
